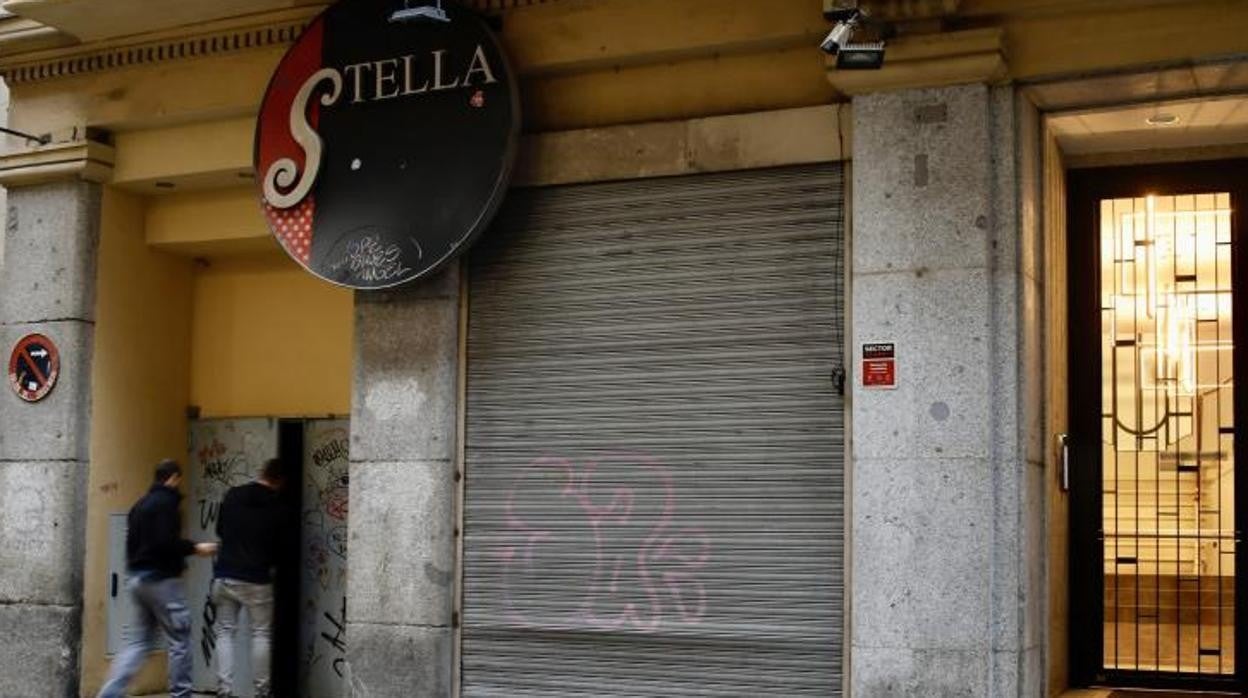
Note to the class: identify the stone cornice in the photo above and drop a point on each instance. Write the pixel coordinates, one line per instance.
(280, 28)
(931, 60)
(81, 158)
(42, 54)
(906, 10)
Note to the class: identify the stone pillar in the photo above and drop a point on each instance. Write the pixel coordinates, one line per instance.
(401, 565)
(47, 285)
(947, 592)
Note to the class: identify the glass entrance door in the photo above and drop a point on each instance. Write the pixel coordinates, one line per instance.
(1156, 505)
(1168, 466)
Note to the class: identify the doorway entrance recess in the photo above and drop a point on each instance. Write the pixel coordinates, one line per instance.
(1157, 501)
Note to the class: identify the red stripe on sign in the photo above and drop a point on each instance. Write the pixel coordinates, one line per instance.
(292, 227)
(30, 361)
(274, 140)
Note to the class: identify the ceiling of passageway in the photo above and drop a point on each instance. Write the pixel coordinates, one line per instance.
(92, 20)
(1187, 123)
(1210, 79)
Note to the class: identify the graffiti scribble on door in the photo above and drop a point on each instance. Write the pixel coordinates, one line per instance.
(606, 535)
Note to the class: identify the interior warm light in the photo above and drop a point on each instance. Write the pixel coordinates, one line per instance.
(1162, 119)
(1151, 253)
(1167, 215)
(1180, 344)
(1168, 514)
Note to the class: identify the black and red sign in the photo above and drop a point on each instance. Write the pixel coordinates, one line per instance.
(33, 367)
(879, 365)
(386, 139)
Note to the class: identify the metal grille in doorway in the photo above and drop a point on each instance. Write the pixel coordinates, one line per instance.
(1168, 428)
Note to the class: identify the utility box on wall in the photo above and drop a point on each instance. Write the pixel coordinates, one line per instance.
(120, 610)
(119, 607)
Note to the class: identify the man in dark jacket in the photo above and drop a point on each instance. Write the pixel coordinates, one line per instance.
(251, 516)
(154, 561)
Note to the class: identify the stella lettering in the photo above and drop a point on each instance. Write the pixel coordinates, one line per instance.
(370, 81)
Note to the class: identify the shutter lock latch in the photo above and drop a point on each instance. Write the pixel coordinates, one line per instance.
(838, 379)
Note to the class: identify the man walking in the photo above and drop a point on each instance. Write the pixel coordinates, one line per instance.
(154, 561)
(248, 527)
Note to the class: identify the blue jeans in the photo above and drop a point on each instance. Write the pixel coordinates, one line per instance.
(160, 602)
(232, 596)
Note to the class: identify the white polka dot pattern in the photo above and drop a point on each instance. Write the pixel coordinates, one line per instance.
(293, 228)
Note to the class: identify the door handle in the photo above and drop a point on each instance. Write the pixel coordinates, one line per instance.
(1063, 460)
(114, 585)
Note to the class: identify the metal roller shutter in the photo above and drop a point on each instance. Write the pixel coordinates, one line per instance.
(654, 502)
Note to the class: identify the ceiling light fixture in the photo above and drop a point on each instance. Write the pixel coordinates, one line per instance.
(1162, 119)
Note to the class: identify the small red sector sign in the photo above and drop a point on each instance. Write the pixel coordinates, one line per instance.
(879, 365)
(33, 367)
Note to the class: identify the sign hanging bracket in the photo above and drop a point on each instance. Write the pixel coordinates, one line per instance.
(41, 140)
(425, 12)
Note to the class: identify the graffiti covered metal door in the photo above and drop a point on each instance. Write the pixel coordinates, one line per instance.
(323, 599)
(654, 498)
(224, 453)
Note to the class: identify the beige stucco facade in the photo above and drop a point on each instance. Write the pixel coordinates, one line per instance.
(156, 107)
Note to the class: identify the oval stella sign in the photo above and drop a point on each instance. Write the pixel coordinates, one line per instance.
(385, 140)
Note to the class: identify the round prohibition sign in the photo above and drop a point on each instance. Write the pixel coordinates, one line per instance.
(33, 367)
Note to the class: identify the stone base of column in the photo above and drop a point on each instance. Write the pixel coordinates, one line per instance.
(398, 660)
(39, 652)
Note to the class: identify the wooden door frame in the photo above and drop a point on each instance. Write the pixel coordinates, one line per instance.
(1085, 189)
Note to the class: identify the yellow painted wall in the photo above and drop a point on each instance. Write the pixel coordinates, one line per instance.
(238, 336)
(140, 376)
(209, 223)
(269, 340)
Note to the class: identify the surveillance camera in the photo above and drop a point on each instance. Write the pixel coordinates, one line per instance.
(851, 56)
(838, 37)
